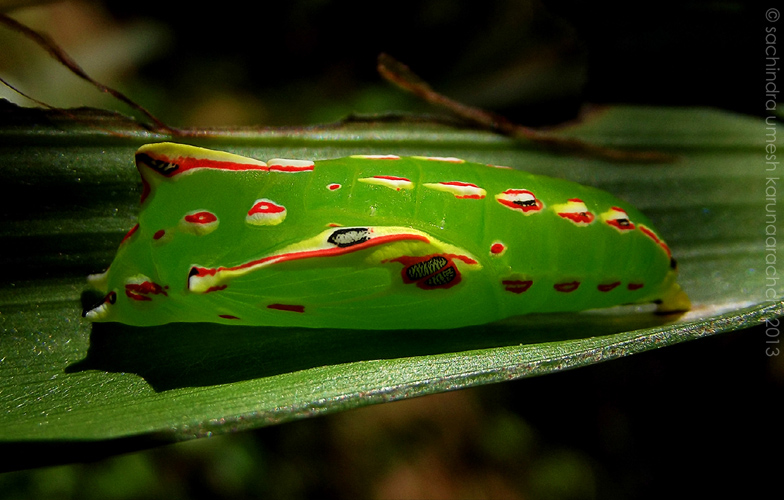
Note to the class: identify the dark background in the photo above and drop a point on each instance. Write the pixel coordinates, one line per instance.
(293, 63)
(535, 62)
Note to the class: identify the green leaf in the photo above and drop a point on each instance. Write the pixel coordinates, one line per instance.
(70, 191)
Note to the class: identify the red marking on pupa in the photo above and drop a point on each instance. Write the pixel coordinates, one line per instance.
(151, 161)
(129, 234)
(460, 189)
(606, 287)
(227, 316)
(521, 200)
(567, 287)
(430, 272)
(266, 207)
(618, 218)
(290, 166)
(199, 222)
(169, 167)
(266, 212)
(202, 217)
(649, 233)
(576, 211)
(158, 234)
(172, 166)
(146, 189)
(216, 288)
(391, 178)
(287, 307)
(517, 286)
(635, 286)
(334, 186)
(142, 291)
(578, 217)
(390, 181)
(497, 248)
(458, 183)
(197, 272)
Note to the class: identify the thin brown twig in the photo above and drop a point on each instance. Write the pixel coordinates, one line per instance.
(60, 55)
(33, 99)
(401, 75)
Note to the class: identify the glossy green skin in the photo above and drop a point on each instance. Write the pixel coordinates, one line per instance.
(364, 288)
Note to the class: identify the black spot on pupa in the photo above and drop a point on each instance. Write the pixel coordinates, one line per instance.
(673, 263)
(349, 236)
(164, 168)
(444, 277)
(419, 270)
(525, 203)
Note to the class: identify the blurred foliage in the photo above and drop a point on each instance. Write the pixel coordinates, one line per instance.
(311, 61)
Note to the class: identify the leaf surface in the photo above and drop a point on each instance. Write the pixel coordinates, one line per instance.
(70, 191)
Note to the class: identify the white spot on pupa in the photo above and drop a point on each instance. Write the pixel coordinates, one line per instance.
(462, 190)
(618, 218)
(265, 212)
(376, 157)
(137, 279)
(101, 311)
(575, 211)
(199, 222)
(521, 200)
(99, 281)
(448, 159)
(289, 166)
(390, 181)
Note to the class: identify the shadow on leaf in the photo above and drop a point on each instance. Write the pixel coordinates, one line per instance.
(204, 354)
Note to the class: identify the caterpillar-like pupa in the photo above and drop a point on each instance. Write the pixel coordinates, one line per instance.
(375, 242)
